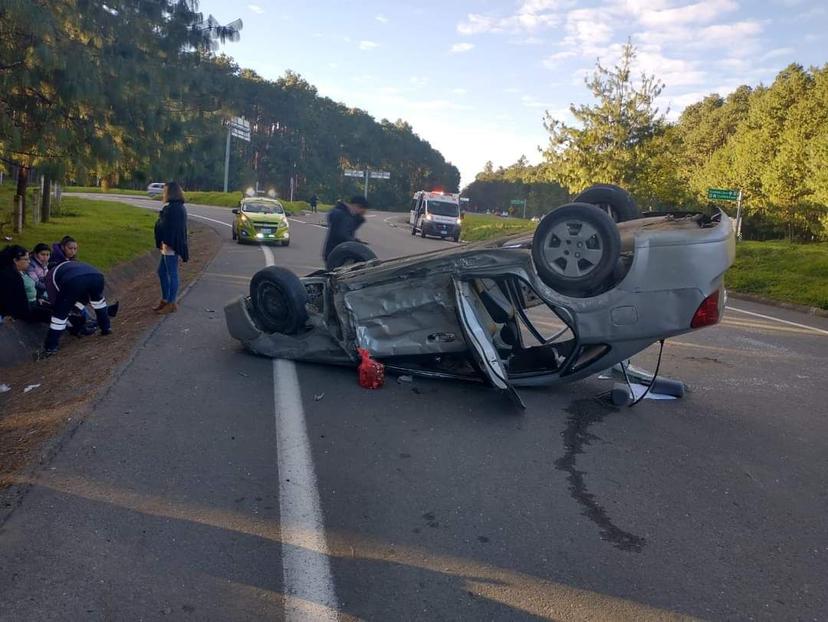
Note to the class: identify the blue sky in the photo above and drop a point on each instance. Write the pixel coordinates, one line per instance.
(474, 77)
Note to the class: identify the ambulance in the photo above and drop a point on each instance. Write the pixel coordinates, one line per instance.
(436, 214)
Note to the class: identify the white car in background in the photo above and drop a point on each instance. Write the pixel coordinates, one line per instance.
(155, 189)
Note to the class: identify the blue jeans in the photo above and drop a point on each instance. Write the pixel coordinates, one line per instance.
(168, 275)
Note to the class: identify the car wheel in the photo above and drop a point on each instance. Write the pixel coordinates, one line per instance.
(285, 242)
(422, 232)
(575, 248)
(348, 253)
(279, 298)
(233, 232)
(614, 200)
(413, 230)
(456, 238)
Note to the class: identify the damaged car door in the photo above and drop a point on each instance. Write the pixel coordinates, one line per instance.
(473, 321)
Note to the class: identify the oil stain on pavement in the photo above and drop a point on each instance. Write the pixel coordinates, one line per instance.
(582, 414)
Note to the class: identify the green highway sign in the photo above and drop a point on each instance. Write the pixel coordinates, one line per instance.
(517, 201)
(720, 194)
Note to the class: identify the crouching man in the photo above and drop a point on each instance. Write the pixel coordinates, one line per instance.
(74, 284)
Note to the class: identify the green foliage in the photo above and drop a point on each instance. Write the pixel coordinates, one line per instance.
(612, 141)
(770, 142)
(495, 189)
(131, 92)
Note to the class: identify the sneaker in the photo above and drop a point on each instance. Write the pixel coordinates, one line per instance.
(160, 305)
(105, 332)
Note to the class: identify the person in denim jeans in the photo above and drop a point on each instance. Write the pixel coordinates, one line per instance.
(171, 240)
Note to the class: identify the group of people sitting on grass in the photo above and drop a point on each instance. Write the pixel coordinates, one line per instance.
(51, 285)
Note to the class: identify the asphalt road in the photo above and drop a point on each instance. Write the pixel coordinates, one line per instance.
(210, 484)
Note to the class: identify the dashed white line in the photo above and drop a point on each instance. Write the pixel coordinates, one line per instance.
(305, 562)
(776, 319)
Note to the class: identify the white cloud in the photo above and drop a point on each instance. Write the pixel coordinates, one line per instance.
(778, 52)
(368, 45)
(531, 15)
(256, 8)
(555, 59)
(719, 33)
(527, 41)
(381, 18)
(671, 71)
(700, 12)
(458, 48)
(590, 30)
(475, 24)
(530, 101)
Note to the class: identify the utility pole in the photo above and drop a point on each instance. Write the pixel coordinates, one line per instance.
(240, 128)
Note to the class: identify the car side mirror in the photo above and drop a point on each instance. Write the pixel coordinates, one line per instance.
(235, 210)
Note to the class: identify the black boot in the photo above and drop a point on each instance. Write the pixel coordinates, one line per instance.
(50, 346)
(103, 321)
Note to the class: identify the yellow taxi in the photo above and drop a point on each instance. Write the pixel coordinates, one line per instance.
(260, 219)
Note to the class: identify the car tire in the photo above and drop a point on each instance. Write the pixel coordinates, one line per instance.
(456, 238)
(612, 199)
(575, 248)
(348, 253)
(422, 232)
(279, 298)
(285, 242)
(233, 233)
(413, 230)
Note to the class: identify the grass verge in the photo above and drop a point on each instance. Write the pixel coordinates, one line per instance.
(98, 190)
(478, 227)
(108, 233)
(782, 271)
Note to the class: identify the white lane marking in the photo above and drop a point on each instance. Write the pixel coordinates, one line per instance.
(226, 224)
(304, 222)
(305, 562)
(776, 319)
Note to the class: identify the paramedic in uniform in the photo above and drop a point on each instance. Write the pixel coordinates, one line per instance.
(74, 284)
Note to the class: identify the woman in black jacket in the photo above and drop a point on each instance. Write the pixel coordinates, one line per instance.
(171, 240)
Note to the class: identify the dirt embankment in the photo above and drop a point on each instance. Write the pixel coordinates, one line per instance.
(65, 386)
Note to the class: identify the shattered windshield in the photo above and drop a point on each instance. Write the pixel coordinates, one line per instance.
(443, 208)
(263, 208)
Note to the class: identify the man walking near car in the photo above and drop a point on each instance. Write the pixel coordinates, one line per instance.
(343, 221)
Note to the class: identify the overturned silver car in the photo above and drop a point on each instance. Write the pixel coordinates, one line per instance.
(595, 284)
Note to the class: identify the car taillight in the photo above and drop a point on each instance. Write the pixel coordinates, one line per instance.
(708, 312)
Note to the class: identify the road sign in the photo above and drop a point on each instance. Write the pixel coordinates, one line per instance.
(380, 175)
(520, 202)
(349, 172)
(720, 194)
(240, 123)
(240, 133)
